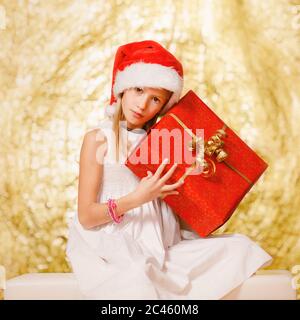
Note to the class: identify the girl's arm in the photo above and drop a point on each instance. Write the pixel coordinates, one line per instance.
(90, 212)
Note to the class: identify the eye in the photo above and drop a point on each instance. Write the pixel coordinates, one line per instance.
(138, 89)
(157, 100)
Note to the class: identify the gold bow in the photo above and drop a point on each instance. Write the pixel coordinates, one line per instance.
(213, 146)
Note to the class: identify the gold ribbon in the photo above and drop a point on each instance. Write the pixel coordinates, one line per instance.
(214, 146)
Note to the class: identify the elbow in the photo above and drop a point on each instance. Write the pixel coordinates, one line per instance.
(83, 220)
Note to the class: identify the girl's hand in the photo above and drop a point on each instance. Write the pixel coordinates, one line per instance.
(153, 186)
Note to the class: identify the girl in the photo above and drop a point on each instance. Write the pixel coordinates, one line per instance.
(125, 242)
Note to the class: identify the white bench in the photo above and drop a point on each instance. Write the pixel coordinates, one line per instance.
(263, 285)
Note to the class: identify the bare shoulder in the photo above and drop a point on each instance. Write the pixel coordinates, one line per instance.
(94, 145)
(96, 136)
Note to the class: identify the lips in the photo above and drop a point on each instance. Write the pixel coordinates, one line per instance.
(139, 115)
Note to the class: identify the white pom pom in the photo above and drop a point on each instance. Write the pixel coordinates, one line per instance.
(110, 110)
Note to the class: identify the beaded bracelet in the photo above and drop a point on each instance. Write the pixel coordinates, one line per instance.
(109, 212)
(112, 211)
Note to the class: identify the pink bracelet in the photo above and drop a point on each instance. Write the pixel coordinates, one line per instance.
(112, 211)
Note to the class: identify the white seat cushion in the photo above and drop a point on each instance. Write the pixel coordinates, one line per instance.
(42, 286)
(264, 285)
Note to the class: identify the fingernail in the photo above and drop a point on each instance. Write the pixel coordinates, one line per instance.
(165, 160)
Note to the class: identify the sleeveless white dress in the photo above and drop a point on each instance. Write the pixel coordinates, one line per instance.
(148, 255)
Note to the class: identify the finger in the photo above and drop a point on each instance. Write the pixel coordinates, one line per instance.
(161, 168)
(169, 193)
(175, 185)
(173, 192)
(149, 174)
(166, 177)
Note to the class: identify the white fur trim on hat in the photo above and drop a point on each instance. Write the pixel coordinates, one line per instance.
(151, 75)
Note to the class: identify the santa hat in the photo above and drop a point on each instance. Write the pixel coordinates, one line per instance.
(145, 64)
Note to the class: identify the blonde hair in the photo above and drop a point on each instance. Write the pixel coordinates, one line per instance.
(119, 116)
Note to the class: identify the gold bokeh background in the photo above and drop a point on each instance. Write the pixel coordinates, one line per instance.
(241, 57)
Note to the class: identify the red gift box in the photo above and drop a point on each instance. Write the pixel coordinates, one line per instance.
(229, 166)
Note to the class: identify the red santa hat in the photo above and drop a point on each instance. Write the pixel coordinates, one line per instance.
(145, 64)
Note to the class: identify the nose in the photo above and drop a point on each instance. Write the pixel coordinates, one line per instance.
(142, 103)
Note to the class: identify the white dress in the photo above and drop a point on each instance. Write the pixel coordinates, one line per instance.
(147, 255)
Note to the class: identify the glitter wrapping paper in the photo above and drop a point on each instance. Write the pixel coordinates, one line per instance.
(204, 203)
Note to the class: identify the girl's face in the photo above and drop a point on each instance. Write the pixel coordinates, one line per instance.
(140, 104)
